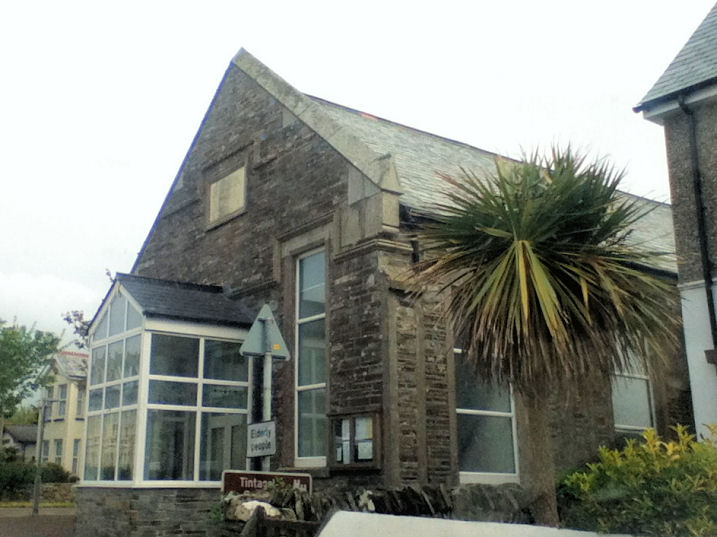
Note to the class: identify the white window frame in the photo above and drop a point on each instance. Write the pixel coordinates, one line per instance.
(490, 478)
(76, 449)
(147, 328)
(622, 428)
(307, 462)
(58, 443)
(61, 400)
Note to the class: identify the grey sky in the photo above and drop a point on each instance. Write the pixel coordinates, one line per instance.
(100, 101)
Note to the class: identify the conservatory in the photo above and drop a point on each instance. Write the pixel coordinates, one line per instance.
(168, 391)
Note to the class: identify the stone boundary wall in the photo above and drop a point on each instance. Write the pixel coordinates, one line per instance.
(118, 512)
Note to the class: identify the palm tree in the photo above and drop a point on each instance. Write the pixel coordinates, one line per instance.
(545, 286)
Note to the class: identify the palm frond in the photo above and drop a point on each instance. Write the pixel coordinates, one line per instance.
(544, 284)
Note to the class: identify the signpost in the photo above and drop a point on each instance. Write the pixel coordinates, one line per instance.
(264, 339)
(233, 480)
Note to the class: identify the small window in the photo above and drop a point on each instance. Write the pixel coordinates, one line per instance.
(80, 411)
(227, 196)
(355, 441)
(632, 404)
(75, 455)
(45, 454)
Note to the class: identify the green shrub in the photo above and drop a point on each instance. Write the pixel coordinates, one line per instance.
(54, 473)
(651, 487)
(14, 476)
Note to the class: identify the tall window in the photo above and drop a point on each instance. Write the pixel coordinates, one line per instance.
(80, 410)
(487, 449)
(61, 400)
(45, 453)
(311, 420)
(75, 455)
(58, 452)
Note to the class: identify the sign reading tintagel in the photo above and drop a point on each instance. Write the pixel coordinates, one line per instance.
(241, 481)
(261, 439)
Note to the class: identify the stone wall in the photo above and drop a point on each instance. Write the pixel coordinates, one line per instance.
(120, 512)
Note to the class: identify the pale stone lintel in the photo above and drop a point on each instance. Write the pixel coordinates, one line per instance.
(371, 245)
(380, 169)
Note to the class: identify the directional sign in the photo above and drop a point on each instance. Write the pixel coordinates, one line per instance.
(245, 481)
(264, 337)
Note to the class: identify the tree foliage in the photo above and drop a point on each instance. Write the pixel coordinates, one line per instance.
(23, 352)
(546, 287)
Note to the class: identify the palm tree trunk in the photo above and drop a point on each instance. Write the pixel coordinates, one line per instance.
(540, 482)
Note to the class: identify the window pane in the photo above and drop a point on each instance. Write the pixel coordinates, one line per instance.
(131, 356)
(172, 355)
(631, 402)
(169, 452)
(312, 423)
(312, 286)
(485, 444)
(134, 318)
(342, 440)
(129, 393)
(172, 393)
(98, 365)
(92, 448)
(312, 359)
(363, 436)
(101, 330)
(126, 444)
(222, 361)
(114, 361)
(112, 396)
(223, 444)
(117, 314)
(109, 446)
(95, 399)
(224, 396)
(473, 394)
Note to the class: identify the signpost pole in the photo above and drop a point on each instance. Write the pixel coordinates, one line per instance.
(266, 403)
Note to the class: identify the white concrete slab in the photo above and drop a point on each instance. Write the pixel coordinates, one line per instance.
(345, 523)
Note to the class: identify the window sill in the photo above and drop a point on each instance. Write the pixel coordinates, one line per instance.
(481, 478)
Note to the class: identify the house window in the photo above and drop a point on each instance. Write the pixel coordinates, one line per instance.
(75, 455)
(632, 403)
(311, 360)
(487, 450)
(227, 196)
(61, 400)
(58, 452)
(80, 410)
(45, 454)
(355, 440)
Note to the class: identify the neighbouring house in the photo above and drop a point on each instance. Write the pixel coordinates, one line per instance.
(65, 415)
(289, 200)
(684, 102)
(22, 439)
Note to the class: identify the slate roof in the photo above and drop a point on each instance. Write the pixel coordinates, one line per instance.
(24, 434)
(420, 157)
(694, 66)
(72, 364)
(184, 301)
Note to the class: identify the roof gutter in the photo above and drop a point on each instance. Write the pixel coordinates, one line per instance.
(700, 217)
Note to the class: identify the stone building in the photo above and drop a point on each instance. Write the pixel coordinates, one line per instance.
(310, 207)
(684, 102)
